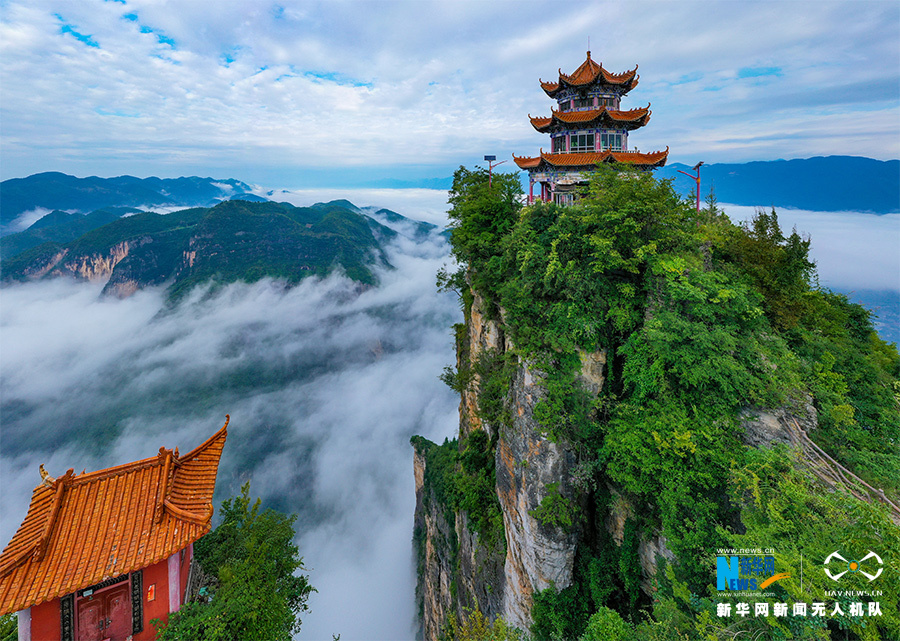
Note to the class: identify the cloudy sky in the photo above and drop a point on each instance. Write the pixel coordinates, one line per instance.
(293, 94)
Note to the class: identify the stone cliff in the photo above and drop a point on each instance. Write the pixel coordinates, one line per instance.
(458, 570)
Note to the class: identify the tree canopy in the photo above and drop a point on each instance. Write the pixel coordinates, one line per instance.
(700, 319)
(257, 591)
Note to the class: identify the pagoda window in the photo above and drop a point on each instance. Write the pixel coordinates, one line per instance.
(581, 142)
(612, 142)
(608, 102)
(565, 106)
(559, 144)
(581, 103)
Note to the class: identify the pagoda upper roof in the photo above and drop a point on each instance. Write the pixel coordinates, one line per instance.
(589, 160)
(591, 72)
(600, 117)
(84, 529)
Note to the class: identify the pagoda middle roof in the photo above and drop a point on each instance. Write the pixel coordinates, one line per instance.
(590, 159)
(588, 73)
(83, 529)
(600, 116)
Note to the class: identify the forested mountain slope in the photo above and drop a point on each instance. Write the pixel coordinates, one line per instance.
(642, 388)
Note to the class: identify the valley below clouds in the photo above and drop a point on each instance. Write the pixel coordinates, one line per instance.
(325, 383)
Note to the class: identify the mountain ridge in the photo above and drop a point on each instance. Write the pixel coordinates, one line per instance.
(235, 240)
(56, 190)
(821, 183)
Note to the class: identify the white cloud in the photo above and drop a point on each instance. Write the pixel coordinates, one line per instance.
(26, 219)
(401, 83)
(852, 250)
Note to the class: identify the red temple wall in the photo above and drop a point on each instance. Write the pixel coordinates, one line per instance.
(156, 575)
(185, 570)
(45, 623)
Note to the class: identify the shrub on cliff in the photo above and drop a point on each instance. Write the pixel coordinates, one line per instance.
(256, 593)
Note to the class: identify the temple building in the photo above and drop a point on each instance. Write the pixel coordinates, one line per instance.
(100, 555)
(587, 128)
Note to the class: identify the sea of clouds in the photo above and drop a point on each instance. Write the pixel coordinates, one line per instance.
(325, 383)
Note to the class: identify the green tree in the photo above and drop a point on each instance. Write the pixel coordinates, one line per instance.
(474, 626)
(607, 625)
(257, 593)
(9, 627)
(698, 320)
(480, 215)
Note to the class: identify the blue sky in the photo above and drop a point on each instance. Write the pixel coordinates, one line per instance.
(293, 94)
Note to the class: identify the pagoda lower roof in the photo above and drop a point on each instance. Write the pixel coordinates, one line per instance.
(589, 73)
(83, 529)
(589, 160)
(600, 117)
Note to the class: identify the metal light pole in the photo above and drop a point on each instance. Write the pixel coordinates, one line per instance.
(491, 162)
(696, 179)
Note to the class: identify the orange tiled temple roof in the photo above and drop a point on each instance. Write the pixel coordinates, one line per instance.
(639, 117)
(83, 529)
(590, 159)
(589, 72)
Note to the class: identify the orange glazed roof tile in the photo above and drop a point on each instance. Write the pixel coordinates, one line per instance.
(81, 530)
(589, 72)
(589, 159)
(639, 116)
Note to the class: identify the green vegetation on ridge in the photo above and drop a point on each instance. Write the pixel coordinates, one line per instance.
(234, 241)
(700, 319)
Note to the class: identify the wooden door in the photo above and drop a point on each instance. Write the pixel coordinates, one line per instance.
(90, 619)
(106, 615)
(117, 603)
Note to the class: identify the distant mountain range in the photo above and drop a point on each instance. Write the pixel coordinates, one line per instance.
(236, 240)
(54, 190)
(832, 183)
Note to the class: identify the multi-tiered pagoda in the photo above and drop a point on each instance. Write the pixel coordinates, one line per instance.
(586, 129)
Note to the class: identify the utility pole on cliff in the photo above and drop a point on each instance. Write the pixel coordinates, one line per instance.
(697, 179)
(491, 162)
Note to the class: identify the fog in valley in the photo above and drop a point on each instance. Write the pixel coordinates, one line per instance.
(325, 383)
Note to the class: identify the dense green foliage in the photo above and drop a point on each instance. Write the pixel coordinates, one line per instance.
(9, 628)
(257, 591)
(59, 227)
(476, 627)
(464, 479)
(699, 319)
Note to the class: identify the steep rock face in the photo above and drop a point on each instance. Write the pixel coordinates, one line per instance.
(42, 267)
(651, 547)
(456, 570)
(527, 463)
(481, 578)
(766, 427)
(435, 547)
(482, 335)
(96, 266)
